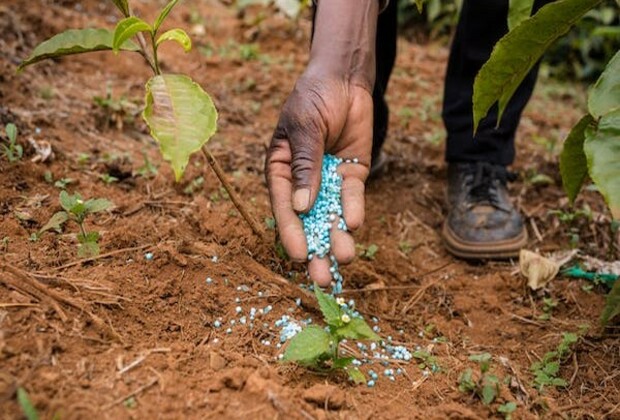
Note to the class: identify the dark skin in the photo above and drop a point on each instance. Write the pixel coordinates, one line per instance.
(329, 111)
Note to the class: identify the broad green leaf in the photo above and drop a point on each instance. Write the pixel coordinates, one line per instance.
(604, 96)
(356, 375)
(308, 345)
(96, 205)
(88, 249)
(518, 11)
(164, 14)
(612, 305)
(484, 359)
(126, 29)
(507, 408)
(75, 41)
(518, 51)
(178, 35)
(68, 202)
(181, 116)
(573, 164)
(602, 148)
(489, 392)
(55, 222)
(11, 132)
(122, 6)
(30, 412)
(357, 329)
(329, 307)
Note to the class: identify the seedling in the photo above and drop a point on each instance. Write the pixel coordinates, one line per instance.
(367, 252)
(147, 170)
(63, 182)
(507, 409)
(319, 348)
(180, 114)
(486, 387)
(426, 360)
(28, 409)
(546, 371)
(77, 210)
(548, 305)
(116, 111)
(108, 179)
(13, 151)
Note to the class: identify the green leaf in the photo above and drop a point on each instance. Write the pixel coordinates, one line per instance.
(69, 202)
(488, 393)
(329, 307)
(356, 375)
(519, 11)
(30, 412)
(164, 14)
(604, 96)
(126, 29)
(75, 41)
(55, 222)
(308, 345)
(96, 205)
(91, 237)
(612, 304)
(356, 329)
(88, 249)
(559, 382)
(507, 408)
(181, 116)
(573, 163)
(602, 149)
(177, 35)
(122, 6)
(420, 5)
(518, 51)
(342, 362)
(466, 383)
(11, 132)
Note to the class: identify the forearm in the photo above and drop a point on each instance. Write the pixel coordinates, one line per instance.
(344, 40)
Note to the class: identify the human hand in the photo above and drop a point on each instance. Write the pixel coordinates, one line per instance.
(323, 114)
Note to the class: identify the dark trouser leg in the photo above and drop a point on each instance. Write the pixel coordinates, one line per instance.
(482, 23)
(386, 56)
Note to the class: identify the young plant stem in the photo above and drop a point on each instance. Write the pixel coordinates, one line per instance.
(219, 172)
(143, 49)
(154, 44)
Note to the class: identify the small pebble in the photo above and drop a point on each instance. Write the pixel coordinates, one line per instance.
(148, 256)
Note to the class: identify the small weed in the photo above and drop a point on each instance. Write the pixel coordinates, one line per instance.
(548, 305)
(249, 52)
(147, 170)
(486, 387)
(270, 223)
(426, 360)
(5, 243)
(62, 183)
(367, 253)
(30, 412)
(546, 371)
(116, 112)
(405, 247)
(507, 409)
(195, 185)
(318, 348)
(108, 179)
(13, 151)
(76, 210)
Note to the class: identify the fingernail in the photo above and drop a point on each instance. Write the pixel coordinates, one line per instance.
(301, 199)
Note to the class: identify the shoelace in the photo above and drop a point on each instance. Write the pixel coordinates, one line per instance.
(483, 178)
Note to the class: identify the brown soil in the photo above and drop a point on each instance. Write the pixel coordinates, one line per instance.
(123, 337)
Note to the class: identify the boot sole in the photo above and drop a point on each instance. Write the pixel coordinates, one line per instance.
(505, 249)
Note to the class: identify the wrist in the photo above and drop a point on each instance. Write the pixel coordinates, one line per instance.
(343, 44)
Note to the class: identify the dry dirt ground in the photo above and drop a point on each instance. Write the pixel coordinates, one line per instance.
(121, 336)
